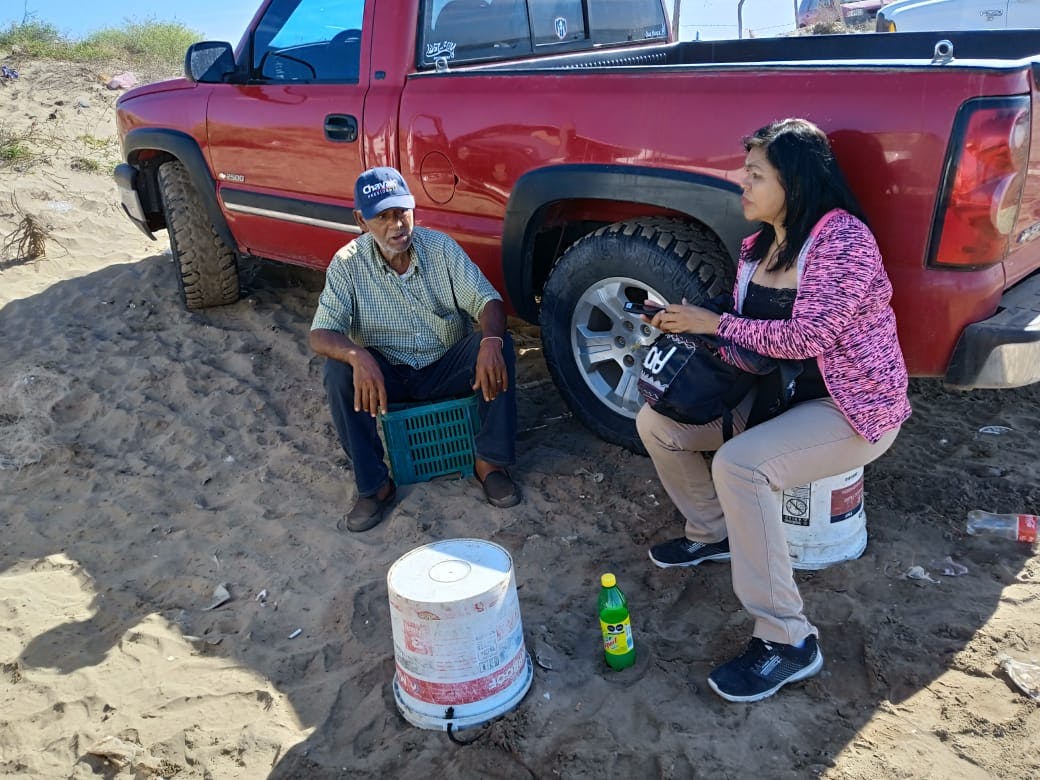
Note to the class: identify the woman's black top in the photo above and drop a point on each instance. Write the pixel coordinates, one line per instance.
(777, 303)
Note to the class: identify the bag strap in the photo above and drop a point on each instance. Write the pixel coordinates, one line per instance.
(727, 424)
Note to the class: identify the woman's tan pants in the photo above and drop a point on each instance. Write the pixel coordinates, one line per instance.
(740, 497)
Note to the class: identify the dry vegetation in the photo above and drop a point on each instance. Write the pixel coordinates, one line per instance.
(27, 242)
(139, 44)
(152, 50)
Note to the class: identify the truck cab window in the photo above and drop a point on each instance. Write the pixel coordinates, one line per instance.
(557, 21)
(477, 30)
(309, 40)
(619, 21)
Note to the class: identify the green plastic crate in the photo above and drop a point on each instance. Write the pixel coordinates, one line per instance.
(431, 440)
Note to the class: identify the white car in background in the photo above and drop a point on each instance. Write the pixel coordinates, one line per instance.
(920, 15)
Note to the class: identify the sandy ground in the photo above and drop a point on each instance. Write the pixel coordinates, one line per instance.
(148, 455)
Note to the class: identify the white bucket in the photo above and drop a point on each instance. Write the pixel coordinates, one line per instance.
(825, 521)
(458, 640)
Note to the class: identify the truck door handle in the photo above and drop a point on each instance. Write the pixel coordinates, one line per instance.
(341, 127)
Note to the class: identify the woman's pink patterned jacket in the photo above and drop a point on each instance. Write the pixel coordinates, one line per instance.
(842, 317)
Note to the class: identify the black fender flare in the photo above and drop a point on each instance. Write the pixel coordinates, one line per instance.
(713, 201)
(186, 149)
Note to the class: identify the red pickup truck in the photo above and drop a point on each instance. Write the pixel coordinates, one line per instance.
(584, 159)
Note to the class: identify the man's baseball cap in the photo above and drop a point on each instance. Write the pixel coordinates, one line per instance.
(379, 189)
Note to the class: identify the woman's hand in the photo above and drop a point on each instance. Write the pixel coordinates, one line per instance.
(685, 318)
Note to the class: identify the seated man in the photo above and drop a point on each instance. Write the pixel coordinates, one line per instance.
(394, 322)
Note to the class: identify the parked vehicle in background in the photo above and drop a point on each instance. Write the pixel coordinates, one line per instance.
(850, 12)
(922, 15)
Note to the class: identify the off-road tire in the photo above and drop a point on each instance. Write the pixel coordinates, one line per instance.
(208, 266)
(592, 347)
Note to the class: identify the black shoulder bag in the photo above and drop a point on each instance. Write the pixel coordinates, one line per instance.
(685, 378)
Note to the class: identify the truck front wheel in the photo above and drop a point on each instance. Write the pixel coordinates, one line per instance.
(593, 348)
(208, 266)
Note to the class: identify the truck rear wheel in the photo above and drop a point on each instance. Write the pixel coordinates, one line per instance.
(208, 266)
(592, 347)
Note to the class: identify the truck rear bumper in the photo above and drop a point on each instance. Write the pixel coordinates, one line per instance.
(1004, 350)
(125, 176)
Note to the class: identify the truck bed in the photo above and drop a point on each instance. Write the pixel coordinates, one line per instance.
(976, 48)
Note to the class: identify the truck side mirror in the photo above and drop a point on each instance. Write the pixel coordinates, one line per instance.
(209, 62)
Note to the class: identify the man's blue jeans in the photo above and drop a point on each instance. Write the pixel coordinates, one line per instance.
(452, 375)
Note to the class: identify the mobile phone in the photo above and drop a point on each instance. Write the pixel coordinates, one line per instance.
(642, 308)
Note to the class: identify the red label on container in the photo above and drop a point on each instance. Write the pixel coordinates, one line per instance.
(1027, 528)
(466, 691)
(846, 501)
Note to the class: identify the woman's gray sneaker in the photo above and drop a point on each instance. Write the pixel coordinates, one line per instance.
(683, 552)
(764, 668)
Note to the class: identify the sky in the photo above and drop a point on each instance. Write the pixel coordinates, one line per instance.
(226, 20)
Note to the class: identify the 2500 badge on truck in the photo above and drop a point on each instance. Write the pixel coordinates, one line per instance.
(584, 160)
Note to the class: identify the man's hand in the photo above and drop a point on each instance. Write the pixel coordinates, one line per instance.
(491, 374)
(369, 387)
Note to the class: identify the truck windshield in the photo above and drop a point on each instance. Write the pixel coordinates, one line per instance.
(471, 30)
(309, 40)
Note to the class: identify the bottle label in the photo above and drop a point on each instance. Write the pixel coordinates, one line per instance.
(1027, 528)
(617, 637)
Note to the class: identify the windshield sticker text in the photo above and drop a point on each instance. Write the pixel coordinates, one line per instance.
(441, 49)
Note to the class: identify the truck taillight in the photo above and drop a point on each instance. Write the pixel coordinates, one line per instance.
(982, 183)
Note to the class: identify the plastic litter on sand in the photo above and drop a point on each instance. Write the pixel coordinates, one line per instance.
(918, 573)
(995, 430)
(1023, 674)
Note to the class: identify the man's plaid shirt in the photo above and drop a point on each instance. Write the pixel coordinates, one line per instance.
(411, 318)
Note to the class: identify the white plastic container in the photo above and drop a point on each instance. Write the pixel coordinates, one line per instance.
(825, 521)
(458, 639)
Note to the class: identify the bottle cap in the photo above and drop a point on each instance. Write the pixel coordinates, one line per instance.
(608, 580)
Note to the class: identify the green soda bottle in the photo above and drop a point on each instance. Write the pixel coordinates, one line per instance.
(615, 624)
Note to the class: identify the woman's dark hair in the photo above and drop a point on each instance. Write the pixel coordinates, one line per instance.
(813, 184)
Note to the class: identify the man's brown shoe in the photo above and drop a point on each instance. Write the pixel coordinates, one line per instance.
(368, 511)
(499, 489)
